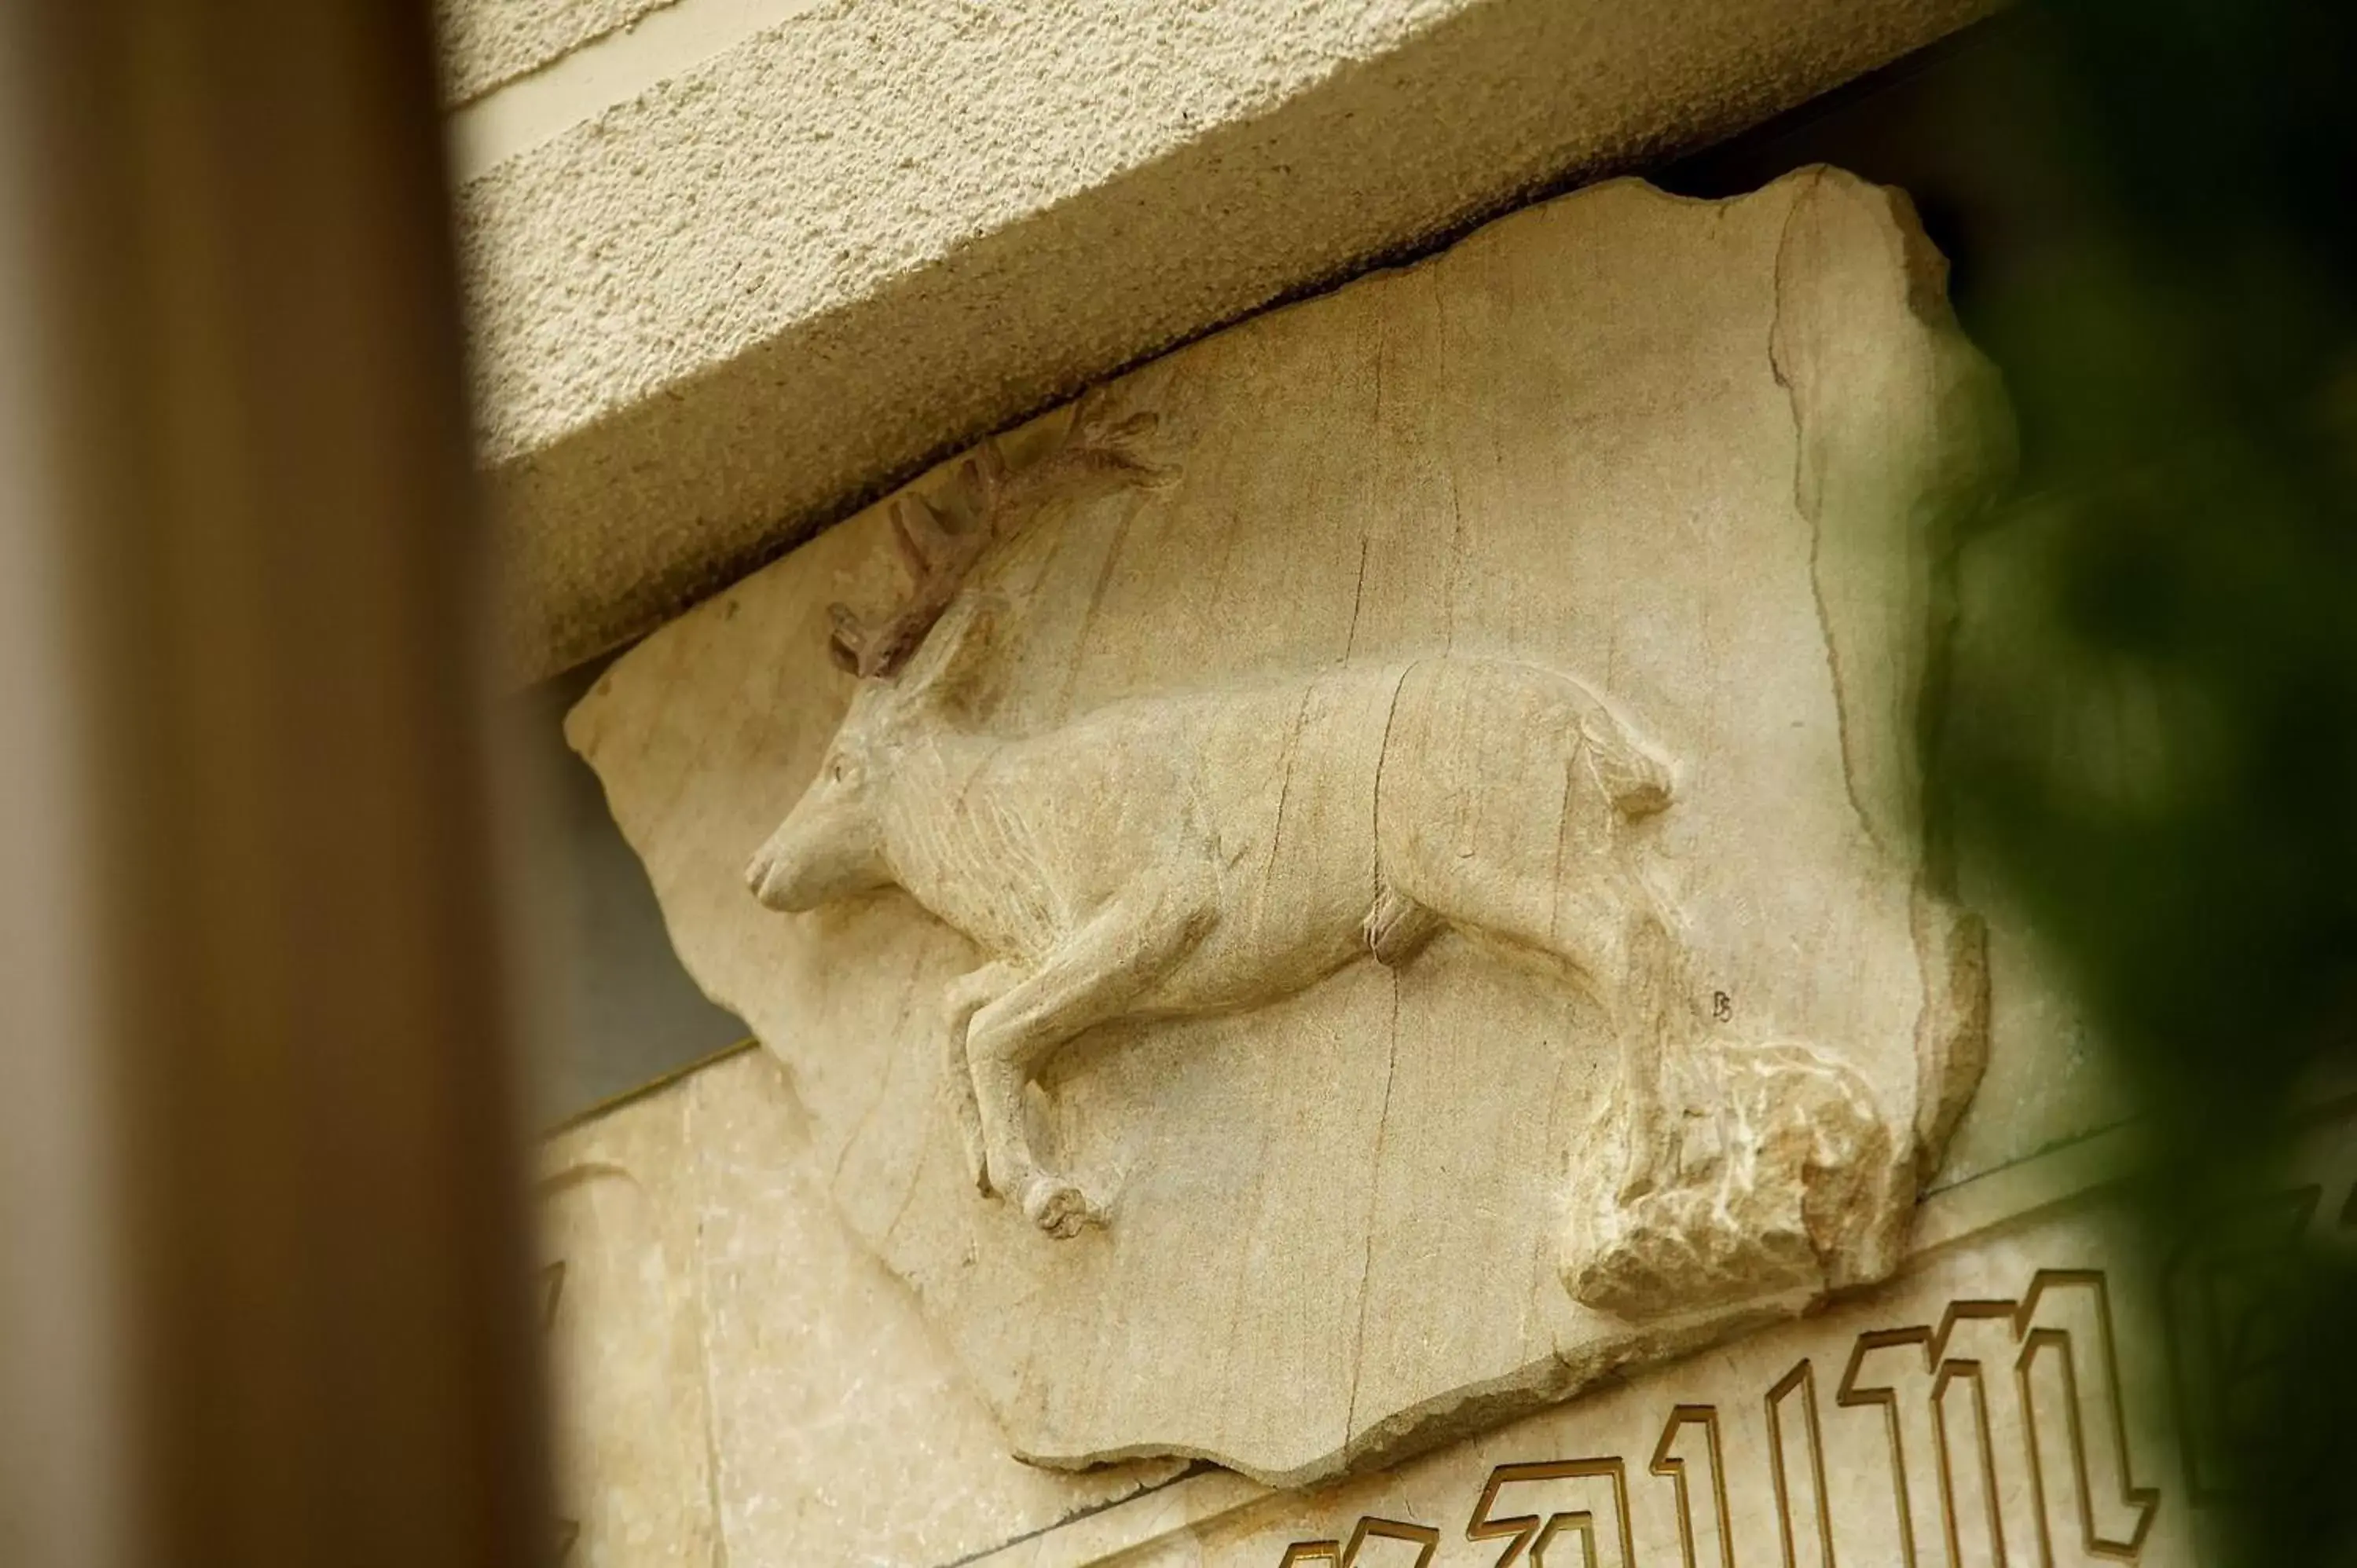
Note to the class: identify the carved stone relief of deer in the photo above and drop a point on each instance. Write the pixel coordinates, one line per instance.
(1142, 861)
(1200, 851)
(1138, 772)
(1205, 852)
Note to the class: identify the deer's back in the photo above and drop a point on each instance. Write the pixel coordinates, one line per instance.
(1253, 805)
(1276, 811)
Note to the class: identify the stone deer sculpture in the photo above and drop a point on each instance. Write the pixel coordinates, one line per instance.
(1180, 855)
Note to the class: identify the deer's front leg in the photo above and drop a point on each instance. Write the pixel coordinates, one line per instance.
(1091, 978)
(965, 996)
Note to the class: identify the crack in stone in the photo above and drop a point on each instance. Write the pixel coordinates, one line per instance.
(1374, 1192)
(715, 1452)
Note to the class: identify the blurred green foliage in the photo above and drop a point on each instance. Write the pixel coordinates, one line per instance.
(2152, 744)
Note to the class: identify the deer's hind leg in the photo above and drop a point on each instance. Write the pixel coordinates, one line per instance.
(1092, 978)
(1632, 955)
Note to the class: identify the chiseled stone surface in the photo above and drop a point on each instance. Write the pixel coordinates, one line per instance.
(740, 1381)
(708, 318)
(1671, 474)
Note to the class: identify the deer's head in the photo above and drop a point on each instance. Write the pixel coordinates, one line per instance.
(833, 843)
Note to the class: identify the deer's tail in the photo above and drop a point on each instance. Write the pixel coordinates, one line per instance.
(1635, 778)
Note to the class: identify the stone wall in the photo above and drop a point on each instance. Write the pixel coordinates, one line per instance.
(739, 267)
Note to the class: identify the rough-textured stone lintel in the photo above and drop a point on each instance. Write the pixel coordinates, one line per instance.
(717, 316)
(486, 44)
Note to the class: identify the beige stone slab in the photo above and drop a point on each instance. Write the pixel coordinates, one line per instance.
(739, 1380)
(1660, 482)
(710, 317)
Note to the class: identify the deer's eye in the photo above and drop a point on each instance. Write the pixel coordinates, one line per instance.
(834, 770)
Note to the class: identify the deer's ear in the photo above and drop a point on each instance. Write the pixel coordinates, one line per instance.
(848, 638)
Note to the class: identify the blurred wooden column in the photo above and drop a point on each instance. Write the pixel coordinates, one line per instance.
(266, 1299)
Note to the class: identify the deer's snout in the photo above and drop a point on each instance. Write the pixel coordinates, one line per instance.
(824, 851)
(765, 873)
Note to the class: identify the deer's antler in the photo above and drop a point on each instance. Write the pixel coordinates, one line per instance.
(1097, 451)
(938, 558)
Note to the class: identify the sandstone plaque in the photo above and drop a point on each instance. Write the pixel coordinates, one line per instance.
(1371, 874)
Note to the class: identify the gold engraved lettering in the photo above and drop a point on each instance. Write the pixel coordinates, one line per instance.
(1972, 1496)
(2064, 1324)
(2051, 1296)
(1802, 1379)
(1902, 1358)
(1665, 1464)
(1529, 1531)
(552, 1291)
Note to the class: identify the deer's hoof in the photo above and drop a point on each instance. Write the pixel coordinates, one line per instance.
(1059, 1207)
(1648, 1169)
